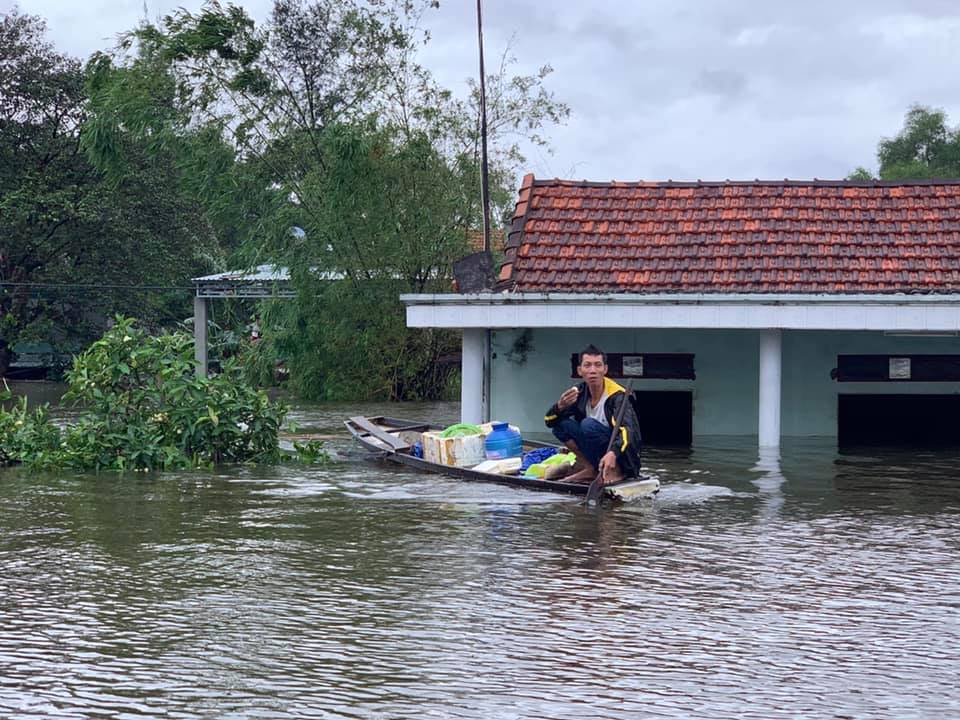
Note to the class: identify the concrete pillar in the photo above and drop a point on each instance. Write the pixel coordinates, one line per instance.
(200, 335)
(769, 405)
(487, 373)
(472, 375)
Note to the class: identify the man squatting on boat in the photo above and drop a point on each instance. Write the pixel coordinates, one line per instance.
(582, 418)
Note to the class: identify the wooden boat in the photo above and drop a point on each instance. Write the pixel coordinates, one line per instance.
(392, 439)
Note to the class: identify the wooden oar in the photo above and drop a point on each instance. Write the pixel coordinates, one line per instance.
(593, 492)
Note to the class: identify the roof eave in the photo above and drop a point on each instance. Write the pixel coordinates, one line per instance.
(515, 298)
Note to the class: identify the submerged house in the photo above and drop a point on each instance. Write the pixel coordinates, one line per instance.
(767, 309)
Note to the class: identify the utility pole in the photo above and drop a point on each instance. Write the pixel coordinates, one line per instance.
(484, 176)
(485, 201)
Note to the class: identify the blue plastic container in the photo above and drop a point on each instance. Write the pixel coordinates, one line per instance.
(503, 442)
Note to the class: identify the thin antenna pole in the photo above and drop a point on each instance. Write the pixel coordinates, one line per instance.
(484, 177)
(485, 201)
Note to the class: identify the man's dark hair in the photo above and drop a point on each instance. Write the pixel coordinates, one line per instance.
(592, 350)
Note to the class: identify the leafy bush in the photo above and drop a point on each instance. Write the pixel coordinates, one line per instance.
(26, 433)
(144, 408)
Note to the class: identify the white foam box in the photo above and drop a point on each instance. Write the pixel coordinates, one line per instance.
(506, 466)
(464, 451)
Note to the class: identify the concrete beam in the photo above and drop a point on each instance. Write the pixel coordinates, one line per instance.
(921, 313)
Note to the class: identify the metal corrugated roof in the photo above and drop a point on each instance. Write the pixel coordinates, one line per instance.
(261, 273)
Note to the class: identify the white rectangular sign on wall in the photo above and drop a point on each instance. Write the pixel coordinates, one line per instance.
(899, 368)
(633, 365)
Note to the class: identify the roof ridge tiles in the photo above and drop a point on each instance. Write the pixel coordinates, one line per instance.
(815, 182)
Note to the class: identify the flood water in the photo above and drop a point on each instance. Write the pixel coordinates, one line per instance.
(817, 585)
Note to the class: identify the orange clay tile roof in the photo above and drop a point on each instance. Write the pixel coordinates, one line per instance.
(735, 237)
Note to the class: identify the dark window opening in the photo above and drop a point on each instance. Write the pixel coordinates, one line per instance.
(661, 366)
(666, 417)
(910, 420)
(897, 368)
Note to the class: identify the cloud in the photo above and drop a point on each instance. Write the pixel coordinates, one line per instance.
(726, 83)
(752, 36)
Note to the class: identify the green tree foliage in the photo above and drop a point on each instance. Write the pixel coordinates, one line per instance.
(62, 222)
(861, 174)
(350, 166)
(926, 147)
(144, 408)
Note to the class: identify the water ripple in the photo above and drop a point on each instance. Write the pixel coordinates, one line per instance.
(820, 586)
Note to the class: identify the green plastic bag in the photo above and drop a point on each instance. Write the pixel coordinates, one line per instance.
(537, 470)
(461, 430)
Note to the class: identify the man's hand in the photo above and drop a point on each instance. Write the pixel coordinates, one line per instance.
(568, 398)
(609, 472)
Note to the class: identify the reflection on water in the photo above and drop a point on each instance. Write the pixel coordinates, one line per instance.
(804, 584)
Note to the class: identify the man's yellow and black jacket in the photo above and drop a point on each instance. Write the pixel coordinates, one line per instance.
(627, 440)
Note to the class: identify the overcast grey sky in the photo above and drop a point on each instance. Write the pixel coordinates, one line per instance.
(674, 89)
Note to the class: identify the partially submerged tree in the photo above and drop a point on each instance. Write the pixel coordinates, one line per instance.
(143, 408)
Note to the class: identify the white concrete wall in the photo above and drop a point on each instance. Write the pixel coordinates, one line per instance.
(725, 393)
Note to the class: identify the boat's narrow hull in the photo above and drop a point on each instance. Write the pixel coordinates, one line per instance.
(391, 438)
